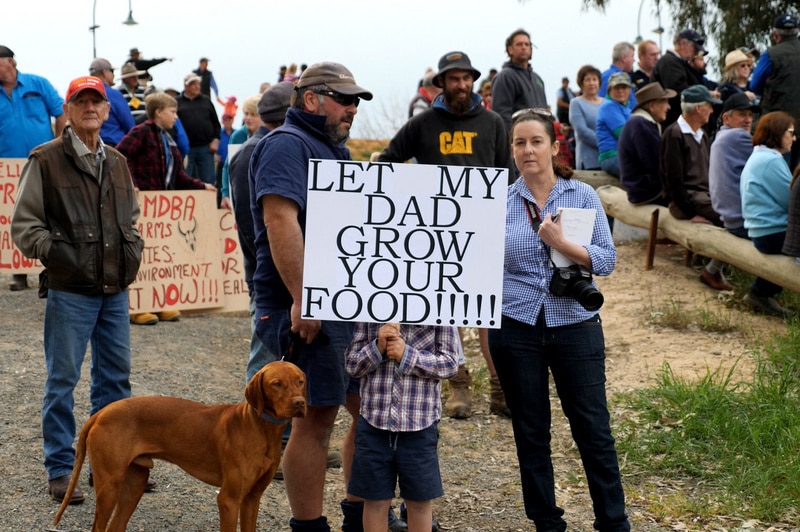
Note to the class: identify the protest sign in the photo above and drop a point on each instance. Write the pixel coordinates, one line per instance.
(182, 262)
(234, 288)
(11, 259)
(404, 242)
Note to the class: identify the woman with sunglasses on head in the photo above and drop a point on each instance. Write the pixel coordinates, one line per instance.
(542, 332)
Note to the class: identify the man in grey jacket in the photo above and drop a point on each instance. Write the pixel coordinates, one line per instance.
(517, 86)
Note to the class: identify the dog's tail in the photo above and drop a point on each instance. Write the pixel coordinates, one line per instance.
(80, 455)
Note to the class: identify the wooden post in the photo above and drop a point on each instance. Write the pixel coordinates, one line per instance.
(651, 240)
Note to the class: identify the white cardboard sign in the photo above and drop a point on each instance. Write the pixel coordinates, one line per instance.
(406, 243)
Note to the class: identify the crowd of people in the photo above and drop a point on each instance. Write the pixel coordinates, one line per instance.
(677, 139)
(654, 128)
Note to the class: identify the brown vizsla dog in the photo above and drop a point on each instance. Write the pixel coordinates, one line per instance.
(235, 447)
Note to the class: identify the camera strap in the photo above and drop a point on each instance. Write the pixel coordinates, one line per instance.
(535, 218)
(533, 214)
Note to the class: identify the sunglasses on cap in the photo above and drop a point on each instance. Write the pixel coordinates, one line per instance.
(537, 111)
(345, 100)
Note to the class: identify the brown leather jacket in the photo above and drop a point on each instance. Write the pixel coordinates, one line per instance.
(95, 247)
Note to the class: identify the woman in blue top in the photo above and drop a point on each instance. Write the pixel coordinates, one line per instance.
(583, 118)
(542, 332)
(611, 118)
(764, 187)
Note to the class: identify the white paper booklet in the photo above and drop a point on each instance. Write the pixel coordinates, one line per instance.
(578, 226)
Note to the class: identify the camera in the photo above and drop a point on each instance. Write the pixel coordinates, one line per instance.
(576, 282)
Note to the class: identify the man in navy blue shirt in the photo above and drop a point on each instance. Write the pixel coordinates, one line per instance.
(317, 125)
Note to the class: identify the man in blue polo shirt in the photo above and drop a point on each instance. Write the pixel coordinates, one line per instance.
(27, 102)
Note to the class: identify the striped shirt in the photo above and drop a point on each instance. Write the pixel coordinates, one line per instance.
(527, 268)
(403, 397)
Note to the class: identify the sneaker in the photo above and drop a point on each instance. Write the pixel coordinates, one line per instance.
(169, 315)
(767, 305)
(58, 489)
(144, 318)
(717, 281)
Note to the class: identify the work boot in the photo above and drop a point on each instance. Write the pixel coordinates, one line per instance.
(459, 404)
(497, 399)
(144, 318)
(169, 315)
(57, 488)
(352, 515)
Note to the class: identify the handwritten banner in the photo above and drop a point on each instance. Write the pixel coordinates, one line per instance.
(11, 259)
(234, 287)
(192, 257)
(404, 242)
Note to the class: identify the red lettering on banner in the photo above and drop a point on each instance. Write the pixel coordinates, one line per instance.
(172, 207)
(230, 245)
(9, 193)
(10, 170)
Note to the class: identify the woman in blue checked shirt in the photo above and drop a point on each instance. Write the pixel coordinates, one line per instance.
(542, 332)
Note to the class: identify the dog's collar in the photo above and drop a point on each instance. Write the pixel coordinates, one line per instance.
(274, 420)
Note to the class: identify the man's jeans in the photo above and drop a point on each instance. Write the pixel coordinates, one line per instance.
(201, 164)
(260, 356)
(575, 354)
(71, 322)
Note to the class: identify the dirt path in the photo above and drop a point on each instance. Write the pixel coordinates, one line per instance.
(203, 358)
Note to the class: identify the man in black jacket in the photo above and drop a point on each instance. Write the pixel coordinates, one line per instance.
(674, 72)
(458, 130)
(199, 119)
(517, 86)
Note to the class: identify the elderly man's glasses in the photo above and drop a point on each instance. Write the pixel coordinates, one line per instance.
(345, 100)
(538, 111)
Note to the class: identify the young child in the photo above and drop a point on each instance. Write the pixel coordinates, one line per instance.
(401, 368)
(156, 163)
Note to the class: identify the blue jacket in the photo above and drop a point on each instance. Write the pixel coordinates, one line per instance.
(765, 192)
(610, 120)
(120, 119)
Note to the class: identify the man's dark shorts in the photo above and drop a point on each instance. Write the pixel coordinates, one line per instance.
(322, 360)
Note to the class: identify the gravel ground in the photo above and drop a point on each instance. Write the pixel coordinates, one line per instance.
(202, 357)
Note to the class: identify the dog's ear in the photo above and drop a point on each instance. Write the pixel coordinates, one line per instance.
(255, 393)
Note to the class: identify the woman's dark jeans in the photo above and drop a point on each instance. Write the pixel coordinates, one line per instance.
(575, 354)
(769, 245)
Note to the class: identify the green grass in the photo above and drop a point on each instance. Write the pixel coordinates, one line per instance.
(739, 441)
(674, 315)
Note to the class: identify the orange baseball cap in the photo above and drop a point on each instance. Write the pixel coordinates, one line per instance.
(83, 83)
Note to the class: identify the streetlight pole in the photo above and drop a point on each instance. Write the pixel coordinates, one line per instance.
(639, 24)
(658, 31)
(93, 28)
